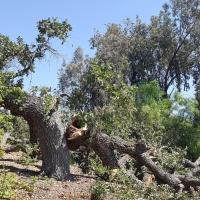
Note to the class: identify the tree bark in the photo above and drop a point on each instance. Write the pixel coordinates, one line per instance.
(33, 139)
(49, 133)
(101, 146)
(33, 132)
(104, 147)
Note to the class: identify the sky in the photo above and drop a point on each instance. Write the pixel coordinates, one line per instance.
(19, 18)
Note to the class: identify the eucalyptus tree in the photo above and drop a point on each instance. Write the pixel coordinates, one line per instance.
(70, 74)
(18, 59)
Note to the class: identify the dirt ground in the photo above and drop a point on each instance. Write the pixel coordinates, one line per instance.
(45, 188)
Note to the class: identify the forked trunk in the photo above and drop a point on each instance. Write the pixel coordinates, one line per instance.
(50, 134)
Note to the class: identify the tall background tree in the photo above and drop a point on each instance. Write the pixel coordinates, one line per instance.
(166, 50)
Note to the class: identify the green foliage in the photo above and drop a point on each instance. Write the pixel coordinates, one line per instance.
(49, 99)
(136, 54)
(52, 28)
(101, 171)
(6, 125)
(11, 78)
(155, 58)
(9, 185)
(122, 186)
(148, 93)
(6, 121)
(134, 191)
(26, 157)
(70, 74)
(21, 128)
(98, 191)
(149, 103)
(116, 108)
(1, 152)
(165, 50)
(170, 159)
(181, 127)
(164, 121)
(109, 99)
(151, 108)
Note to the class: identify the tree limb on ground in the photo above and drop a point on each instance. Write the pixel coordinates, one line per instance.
(104, 147)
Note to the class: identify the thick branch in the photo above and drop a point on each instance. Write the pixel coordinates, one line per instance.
(104, 147)
(188, 163)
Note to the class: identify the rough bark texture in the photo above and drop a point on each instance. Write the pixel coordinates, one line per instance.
(101, 146)
(49, 133)
(33, 131)
(141, 153)
(104, 147)
(33, 137)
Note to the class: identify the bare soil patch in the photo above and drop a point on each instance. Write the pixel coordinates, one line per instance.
(45, 188)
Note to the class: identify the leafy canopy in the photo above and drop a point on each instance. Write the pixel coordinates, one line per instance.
(165, 50)
(17, 59)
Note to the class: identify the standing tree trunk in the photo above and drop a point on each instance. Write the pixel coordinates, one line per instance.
(33, 131)
(33, 139)
(50, 134)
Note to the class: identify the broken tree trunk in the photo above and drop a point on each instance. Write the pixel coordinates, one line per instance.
(104, 146)
(77, 136)
(142, 154)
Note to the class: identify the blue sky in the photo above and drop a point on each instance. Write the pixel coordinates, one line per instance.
(18, 18)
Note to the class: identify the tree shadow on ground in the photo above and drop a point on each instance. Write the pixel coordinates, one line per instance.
(19, 171)
(77, 177)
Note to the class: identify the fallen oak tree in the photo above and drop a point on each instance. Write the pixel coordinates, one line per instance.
(104, 147)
